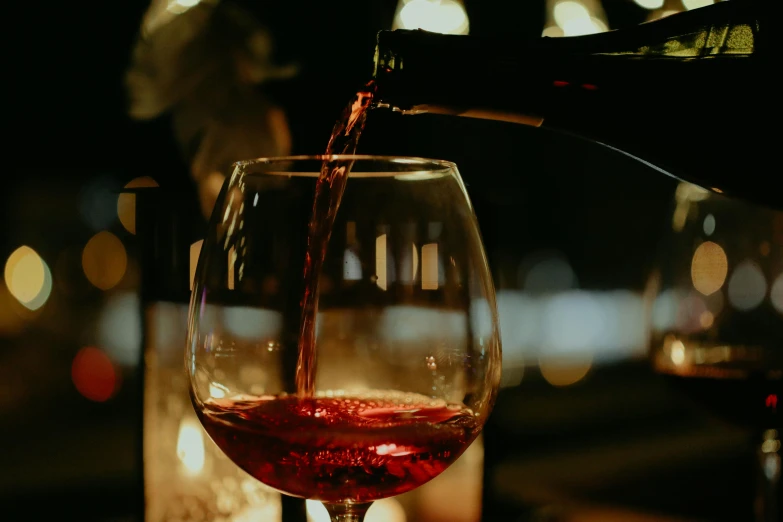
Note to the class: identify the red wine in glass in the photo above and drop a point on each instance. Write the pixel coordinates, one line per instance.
(345, 448)
(335, 449)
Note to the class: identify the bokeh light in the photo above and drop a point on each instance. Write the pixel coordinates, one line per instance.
(650, 4)
(552, 31)
(126, 202)
(677, 352)
(547, 272)
(706, 319)
(180, 6)
(384, 510)
(190, 446)
(709, 267)
(583, 26)
(573, 323)
(747, 286)
(695, 4)
(664, 309)
(565, 370)
(689, 313)
(438, 16)
(126, 211)
(104, 260)
(575, 18)
(568, 10)
(709, 224)
(316, 512)
(28, 278)
(93, 374)
(118, 328)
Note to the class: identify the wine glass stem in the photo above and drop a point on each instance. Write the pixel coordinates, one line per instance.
(348, 511)
(769, 490)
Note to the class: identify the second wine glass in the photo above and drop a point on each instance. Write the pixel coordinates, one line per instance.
(717, 320)
(407, 348)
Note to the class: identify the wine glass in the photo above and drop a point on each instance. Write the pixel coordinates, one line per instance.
(717, 319)
(407, 349)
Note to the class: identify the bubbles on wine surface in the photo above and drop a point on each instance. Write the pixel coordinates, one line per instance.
(337, 446)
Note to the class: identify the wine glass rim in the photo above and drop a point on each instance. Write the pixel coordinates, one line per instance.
(426, 164)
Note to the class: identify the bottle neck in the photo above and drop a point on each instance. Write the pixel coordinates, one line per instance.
(417, 71)
(688, 94)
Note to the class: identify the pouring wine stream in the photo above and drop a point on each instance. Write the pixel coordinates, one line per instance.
(328, 193)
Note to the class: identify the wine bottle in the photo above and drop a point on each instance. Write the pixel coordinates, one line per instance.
(692, 94)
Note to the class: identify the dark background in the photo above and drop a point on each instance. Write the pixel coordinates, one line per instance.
(66, 125)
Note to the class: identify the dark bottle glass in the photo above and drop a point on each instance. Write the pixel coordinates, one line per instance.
(693, 94)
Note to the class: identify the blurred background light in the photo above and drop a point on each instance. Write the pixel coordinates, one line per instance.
(582, 26)
(126, 202)
(438, 16)
(709, 224)
(246, 322)
(566, 331)
(695, 4)
(709, 267)
(650, 4)
(28, 278)
(93, 374)
(573, 322)
(575, 18)
(119, 328)
(384, 510)
(664, 309)
(547, 272)
(747, 286)
(180, 6)
(564, 371)
(190, 446)
(552, 31)
(104, 260)
(567, 11)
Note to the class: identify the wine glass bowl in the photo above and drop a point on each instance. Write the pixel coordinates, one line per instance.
(407, 349)
(718, 308)
(717, 318)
